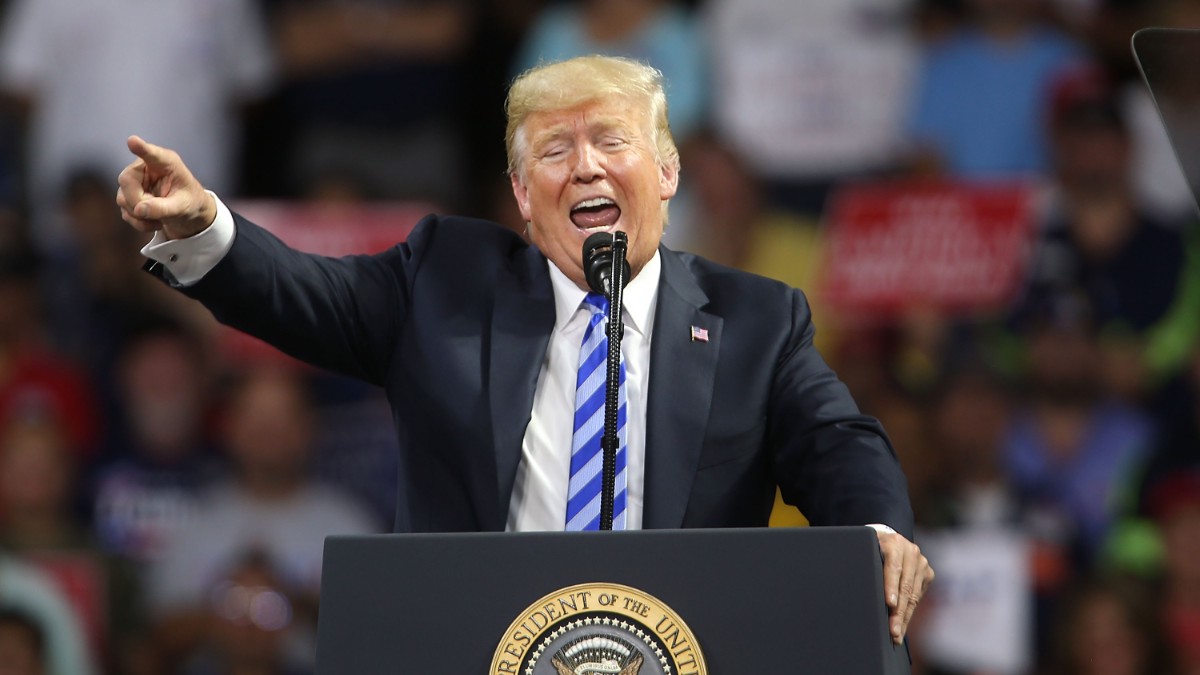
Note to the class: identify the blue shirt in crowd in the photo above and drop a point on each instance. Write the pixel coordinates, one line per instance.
(983, 105)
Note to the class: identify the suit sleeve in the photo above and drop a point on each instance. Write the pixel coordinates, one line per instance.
(831, 461)
(343, 314)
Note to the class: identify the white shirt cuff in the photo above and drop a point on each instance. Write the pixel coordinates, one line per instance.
(189, 259)
(880, 527)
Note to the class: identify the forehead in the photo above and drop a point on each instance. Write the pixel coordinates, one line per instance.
(614, 112)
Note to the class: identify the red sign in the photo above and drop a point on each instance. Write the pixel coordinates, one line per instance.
(330, 230)
(335, 229)
(950, 246)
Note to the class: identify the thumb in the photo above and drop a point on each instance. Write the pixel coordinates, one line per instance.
(148, 152)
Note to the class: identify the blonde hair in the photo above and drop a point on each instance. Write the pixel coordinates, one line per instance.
(570, 83)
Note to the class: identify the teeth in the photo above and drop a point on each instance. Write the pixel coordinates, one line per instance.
(594, 201)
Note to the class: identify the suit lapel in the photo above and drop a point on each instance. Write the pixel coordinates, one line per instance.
(521, 325)
(682, 373)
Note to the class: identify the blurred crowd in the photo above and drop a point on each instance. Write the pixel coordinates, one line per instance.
(163, 505)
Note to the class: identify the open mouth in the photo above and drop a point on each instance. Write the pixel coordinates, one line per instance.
(597, 213)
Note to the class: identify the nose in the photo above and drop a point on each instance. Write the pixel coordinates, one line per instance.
(588, 164)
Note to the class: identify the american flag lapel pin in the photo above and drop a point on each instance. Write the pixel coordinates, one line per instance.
(699, 334)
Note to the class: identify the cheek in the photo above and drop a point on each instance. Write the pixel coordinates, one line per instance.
(542, 201)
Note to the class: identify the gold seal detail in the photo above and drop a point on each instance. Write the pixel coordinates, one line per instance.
(598, 629)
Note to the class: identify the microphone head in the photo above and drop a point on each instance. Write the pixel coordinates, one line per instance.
(598, 252)
(597, 261)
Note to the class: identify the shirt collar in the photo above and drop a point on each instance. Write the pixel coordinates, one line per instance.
(640, 296)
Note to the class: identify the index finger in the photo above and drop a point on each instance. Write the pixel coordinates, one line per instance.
(147, 151)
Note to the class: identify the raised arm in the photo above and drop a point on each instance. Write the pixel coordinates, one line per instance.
(340, 314)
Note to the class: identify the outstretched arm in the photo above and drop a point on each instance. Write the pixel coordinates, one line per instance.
(342, 314)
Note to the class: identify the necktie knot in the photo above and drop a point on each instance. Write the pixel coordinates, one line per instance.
(596, 303)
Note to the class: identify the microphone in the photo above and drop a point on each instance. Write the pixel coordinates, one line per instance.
(604, 258)
(598, 252)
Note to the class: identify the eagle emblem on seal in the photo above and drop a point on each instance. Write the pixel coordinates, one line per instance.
(598, 655)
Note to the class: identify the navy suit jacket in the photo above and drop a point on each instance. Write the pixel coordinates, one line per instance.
(454, 323)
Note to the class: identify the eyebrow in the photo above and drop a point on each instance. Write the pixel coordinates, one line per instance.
(548, 135)
(563, 130)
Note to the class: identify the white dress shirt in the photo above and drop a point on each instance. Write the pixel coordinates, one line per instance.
(539, 499)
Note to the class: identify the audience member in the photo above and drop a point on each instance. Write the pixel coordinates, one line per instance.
(979, 111)
(268, 504)
(727, 219)
(59, 57)
(1110, 627)
(37, 478)
(253, 624)
(1100, 242)
(658, 32)
(371, 89)
(1174, 504)
(999, 570)
(813, 92)
(94, 292)
(970, 415)
(149, 491)
(1073, 449)
(34, 379)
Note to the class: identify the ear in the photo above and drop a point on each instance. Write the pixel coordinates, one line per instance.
(521, 193)
(668, 179)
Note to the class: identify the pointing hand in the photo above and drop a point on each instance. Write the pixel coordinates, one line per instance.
(158, 192)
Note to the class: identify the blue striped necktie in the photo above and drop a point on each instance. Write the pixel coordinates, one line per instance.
(583, 494)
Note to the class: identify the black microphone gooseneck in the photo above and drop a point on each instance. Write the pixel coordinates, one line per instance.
(607, 271)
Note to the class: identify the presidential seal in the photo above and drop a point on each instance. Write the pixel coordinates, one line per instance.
(598, 629)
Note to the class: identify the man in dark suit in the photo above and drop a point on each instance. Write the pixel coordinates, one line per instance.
(476, 335)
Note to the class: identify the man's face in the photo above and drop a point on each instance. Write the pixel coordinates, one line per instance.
(592, 168)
